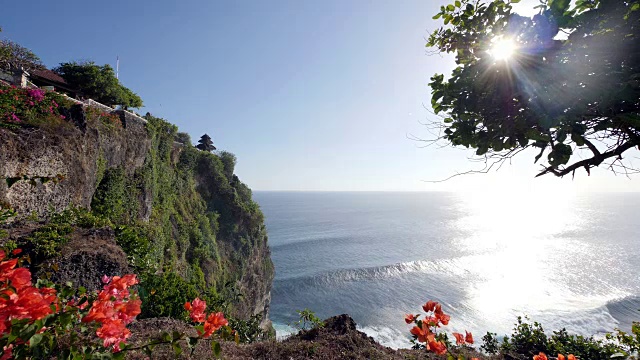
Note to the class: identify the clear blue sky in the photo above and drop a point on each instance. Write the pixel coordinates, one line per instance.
(310, 95)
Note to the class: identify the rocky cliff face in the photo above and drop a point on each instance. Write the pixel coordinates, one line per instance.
(46, 169)
(167, 206)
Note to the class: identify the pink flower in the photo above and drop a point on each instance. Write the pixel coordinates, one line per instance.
(36, 94)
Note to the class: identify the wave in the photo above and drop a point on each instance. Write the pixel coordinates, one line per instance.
(625, 311)
(337, 277)
(326, 240)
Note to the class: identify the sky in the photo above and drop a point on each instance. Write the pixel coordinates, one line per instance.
(309, 95)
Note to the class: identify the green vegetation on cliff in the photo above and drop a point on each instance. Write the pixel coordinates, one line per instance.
(187, 224)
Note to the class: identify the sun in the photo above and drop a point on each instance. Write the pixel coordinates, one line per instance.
(503, 49)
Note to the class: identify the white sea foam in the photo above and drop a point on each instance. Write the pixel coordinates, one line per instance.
(387, 336)
(283, 331)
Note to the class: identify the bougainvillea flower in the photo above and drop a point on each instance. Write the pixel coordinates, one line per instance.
(437, 347)
(423, 333)
(196, 310)
(20, 278)
(16, 252)
(468, 338)
(459, 338)
(443, 318)
(409, 318)
(214, 322)
(431, 321)
(113, 333)
(540, 356)
(429, 306)
(571, 357)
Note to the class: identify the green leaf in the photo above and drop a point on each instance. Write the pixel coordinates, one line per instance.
(177, 349)
(215, 346)
(437, 16)
(450, 7)
(458, 4)
(166, 336)
(35, 340)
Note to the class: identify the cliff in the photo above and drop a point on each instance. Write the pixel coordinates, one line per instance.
(104, 193)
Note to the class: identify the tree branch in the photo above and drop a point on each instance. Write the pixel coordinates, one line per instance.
(591, 162)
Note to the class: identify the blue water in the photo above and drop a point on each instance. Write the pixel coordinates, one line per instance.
(565, 260)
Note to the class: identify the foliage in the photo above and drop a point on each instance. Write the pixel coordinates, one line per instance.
(113, 198)
(577, 99)
(248, 331)
(164, 295)
(135, 242)
(110, 120)
(80, 217)
(530, 339)
(6, 214)
(47, 241)
(13, 57)
(183, 138)
(229, 162)
(308, 320)
(205, 143)
(490, 343)
(629, 342)
(99, 83)
(30, 107)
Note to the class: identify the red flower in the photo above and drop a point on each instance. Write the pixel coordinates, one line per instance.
(409, 318)
(429, 306)
(214, 322)
(437, 347)
(443, 318)
(459, 338)
(113, 333)
(468, 338)
(423, 333)
(196, 310)
(561, 357)
(540, 356)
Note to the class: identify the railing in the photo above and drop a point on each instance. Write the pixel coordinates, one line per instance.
(91, 102)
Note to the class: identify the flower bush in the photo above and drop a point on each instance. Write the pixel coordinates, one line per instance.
(426, 331)
(111, 120)
(22, 106)
(43, 320)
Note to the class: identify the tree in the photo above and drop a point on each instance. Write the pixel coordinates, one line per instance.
(13, 57)
(205, 143)
(571, 90)
(99, 83)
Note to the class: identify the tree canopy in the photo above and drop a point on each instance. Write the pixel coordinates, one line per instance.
(99, 83)
(13, 56)
(205, 143)
(571, 88)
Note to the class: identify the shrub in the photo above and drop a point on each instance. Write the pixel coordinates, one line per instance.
(48, 240)
(530, 339)
(165, 295)
(30, 107)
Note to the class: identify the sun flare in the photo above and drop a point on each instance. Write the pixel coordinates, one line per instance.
(503, 49)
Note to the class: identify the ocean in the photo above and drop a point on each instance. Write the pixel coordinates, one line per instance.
(565, 260)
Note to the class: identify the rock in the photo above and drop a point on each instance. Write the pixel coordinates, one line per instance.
(88, 256)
